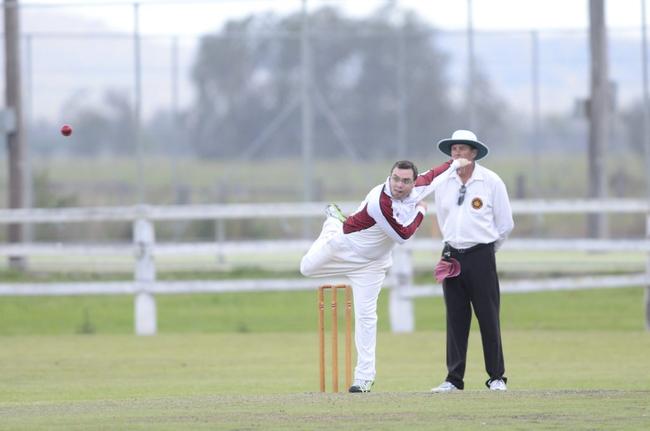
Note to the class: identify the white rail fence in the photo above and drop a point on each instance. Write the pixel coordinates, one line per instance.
(402, 291)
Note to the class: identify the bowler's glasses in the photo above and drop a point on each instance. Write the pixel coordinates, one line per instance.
(461, 194)
(405, 181)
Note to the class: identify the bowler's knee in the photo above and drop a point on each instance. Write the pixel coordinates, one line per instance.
(306, 268)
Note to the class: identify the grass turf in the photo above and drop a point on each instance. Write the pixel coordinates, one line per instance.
(605, 309)
(575, 360)
(578, 380)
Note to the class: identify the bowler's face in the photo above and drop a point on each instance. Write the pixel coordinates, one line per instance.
(401, 183)
(463, 151)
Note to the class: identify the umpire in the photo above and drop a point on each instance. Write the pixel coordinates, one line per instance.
(475, 218)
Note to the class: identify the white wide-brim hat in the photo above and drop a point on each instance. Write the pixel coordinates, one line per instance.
(463, 137)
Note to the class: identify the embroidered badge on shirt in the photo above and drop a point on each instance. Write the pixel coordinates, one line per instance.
(477, 203)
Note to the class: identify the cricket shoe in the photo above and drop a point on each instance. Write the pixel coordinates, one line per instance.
(333, 210)
(361, 385)
(497, 385)
(445, 387)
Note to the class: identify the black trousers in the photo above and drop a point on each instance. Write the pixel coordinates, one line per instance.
(476, 287)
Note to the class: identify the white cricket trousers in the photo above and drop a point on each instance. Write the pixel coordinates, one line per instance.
(331, 256)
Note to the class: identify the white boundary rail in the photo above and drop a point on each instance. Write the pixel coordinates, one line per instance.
(144, 248)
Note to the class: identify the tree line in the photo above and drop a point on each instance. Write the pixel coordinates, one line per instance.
(381, 88)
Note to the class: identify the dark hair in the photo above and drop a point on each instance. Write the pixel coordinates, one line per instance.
(405, 164)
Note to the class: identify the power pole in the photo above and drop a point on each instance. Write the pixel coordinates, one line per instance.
(14, 135)
(646, 146)
(599, 107)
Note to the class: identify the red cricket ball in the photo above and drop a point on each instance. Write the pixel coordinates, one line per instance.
(66, 130)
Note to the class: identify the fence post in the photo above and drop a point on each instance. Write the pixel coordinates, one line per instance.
(145, 274)
(400, 308)
(220, 234)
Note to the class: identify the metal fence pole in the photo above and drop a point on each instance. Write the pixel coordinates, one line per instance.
(174, 151)
(401, 93)
(536, 139)
(28, 181)
(306, 115)
(137, 105)
(471, 74)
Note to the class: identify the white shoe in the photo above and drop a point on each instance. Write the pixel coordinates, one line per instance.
(333, 210)
(361, 385)
(498, 385)
(445, 387)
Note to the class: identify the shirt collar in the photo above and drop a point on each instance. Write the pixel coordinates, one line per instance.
(387, 187)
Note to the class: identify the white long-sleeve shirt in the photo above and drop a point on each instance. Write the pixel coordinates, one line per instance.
(383, 221)
(485, 215)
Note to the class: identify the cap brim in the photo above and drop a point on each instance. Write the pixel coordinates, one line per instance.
(445, 147)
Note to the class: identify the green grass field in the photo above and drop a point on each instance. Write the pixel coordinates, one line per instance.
(605, 309)
(575, 360)
(571, 380)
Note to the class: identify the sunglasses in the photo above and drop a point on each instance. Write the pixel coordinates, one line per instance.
(461, 194)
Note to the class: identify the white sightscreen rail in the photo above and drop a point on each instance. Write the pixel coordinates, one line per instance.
(282, 285)
(144, 248)
(272, 246)
(553, 284)
(282, 210)
(160, 287)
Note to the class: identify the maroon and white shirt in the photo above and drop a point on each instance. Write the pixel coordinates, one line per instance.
(382, 221)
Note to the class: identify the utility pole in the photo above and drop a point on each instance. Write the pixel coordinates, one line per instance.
(599, 107)
(646, 146)
(14, 135)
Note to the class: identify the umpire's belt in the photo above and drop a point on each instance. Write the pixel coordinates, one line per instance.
(468, 250)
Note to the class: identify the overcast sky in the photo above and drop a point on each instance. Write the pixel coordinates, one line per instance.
(196, 16)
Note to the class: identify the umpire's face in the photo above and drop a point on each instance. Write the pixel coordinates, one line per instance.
(401, 182)
(463, 151)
